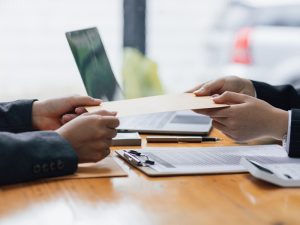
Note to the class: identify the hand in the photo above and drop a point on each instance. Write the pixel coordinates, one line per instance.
(247, 117)
(90, 135)
(219, 86)
(53, 113)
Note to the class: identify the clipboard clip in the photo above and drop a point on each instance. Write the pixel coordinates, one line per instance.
(138, 159)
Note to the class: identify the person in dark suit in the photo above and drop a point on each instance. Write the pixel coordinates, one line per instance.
(41, 139)
(256, 109)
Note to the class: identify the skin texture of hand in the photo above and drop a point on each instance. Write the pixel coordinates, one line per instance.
(219, 86)
(53, 113)
(247, 117)
(90, 135)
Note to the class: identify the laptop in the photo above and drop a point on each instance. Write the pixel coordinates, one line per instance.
(100, 82)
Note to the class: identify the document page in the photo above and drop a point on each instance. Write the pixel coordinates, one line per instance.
(284, 167)
(224, 159)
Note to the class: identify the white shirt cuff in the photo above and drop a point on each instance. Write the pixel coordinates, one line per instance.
(255, 94)
(286, 142)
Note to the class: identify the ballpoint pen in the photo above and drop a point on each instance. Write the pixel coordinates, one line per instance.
(176, 139)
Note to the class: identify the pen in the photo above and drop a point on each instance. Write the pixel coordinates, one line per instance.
(176, 139)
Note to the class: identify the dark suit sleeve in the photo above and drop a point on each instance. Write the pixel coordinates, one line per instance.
(16, 116)
(34, 155)
(285, 97)
(294, 145)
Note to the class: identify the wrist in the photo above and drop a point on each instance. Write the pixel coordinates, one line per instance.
(35, 115)
(280, 121)
(250, 89)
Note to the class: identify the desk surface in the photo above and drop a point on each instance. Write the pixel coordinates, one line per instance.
(138, 199)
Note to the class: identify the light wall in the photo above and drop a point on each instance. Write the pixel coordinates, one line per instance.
(36, 62)
(35, 59)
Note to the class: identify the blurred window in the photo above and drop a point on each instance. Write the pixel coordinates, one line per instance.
(236, 16)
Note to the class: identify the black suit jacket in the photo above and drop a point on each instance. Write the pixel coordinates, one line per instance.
(288, 98)
(27, 155)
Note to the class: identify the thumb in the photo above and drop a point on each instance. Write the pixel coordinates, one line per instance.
(210, 88)
(230, 98)
(77, 101)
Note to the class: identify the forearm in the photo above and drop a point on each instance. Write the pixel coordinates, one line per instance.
(278, 123)
(34, 155)
(16, 116)
(283, 97)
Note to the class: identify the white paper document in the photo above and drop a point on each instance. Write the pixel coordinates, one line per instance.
(282, 171)
(206, 160)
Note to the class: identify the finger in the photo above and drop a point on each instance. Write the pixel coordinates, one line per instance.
(221, 120)
(101, 149)
(203, 111)
(79, 100)
(210, 88)
(68, 117)
(230, 98)
(109, 141)
(207, 112)
(228, 135)
(80, 110)
(103, 113)
(106, 152)
(216, 112)
(220, 126)
(223, 128)
(109, 133)
(110, 121)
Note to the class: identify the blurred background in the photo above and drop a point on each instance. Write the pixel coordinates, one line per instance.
(186, 41)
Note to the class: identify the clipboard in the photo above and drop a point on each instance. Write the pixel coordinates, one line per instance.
(142, 167)
(192, 161)
(146, 169)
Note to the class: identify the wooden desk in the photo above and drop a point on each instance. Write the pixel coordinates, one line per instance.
(138, 199)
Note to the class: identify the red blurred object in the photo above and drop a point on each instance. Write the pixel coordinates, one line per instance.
(241, 51)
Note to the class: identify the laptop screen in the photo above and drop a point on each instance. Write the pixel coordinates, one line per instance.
(93, 64)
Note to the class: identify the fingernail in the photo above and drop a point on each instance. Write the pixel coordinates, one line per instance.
(200, 91)
(215, 95)
(99, 101)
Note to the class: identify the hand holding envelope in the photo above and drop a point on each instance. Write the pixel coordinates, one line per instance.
(156, 104)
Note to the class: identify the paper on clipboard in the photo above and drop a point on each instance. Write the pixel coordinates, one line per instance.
(156, 104)
(199, 160)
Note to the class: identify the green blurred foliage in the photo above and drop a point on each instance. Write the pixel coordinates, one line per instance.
(140, 75)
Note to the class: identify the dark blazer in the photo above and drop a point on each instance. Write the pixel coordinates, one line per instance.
(27, 155)
(288, 98)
